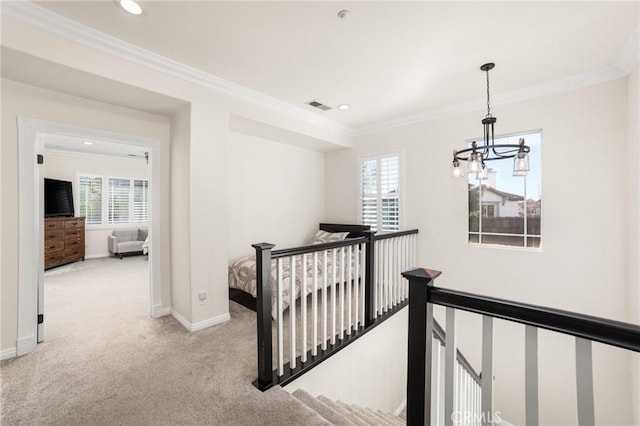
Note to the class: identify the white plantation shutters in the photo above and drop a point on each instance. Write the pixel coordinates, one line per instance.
(140, 201)
(380, 193)
(91, 199)
(119, 200)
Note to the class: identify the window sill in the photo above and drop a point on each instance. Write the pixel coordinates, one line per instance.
(504, 247)
(116, 226)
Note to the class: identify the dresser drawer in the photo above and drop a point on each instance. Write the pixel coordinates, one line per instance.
(52, 247)
(72, 244)
(53, 224)
(73, 223)
(73, 254)
(53, 259)
(73, 234)
(53, 235)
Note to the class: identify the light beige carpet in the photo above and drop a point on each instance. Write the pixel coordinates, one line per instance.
(105, 361)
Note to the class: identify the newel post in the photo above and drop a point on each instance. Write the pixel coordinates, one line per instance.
(263, 308)
(420, 345)
(369, 285)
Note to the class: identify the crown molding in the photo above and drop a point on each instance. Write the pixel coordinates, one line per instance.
(566, 84)
(66, 28)
(53, 23)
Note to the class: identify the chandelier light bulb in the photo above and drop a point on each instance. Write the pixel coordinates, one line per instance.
(474, 164)
(521, 162)
(456, 170)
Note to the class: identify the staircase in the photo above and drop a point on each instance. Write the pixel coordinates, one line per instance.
(339, 413)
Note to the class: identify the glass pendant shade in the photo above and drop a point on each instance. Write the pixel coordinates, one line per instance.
(474, 164)
(521, 162)
(456, 170)
(483, 174)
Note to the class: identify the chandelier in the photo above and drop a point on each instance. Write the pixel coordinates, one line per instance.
(477, 156)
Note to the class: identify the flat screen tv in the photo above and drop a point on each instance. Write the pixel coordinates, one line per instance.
(58, 198)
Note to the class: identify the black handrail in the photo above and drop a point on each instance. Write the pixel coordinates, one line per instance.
(615, 333)
(387, 235)
(296, 251)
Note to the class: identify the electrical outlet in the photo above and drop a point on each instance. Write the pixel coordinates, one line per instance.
(202, 296)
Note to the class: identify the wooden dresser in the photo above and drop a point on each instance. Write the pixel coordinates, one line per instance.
(63, 241)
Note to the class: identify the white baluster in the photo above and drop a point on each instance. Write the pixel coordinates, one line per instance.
(303, 306)
(342, 289)
(363, 278)
(531, 375)
(349, 290)
(333, 295)
(292, 311)
(324, 300)
(487, 370)
(314, 306)
(450, 365)
(584, 382)
(279, 308)
(356, 286)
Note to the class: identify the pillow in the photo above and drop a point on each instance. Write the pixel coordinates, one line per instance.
(322, 237)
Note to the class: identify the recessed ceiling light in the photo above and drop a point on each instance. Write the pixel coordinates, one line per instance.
(343, 14)
(343, 106)
(131, 6)
(88, 143)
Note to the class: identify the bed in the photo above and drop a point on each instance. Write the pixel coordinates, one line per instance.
(242, 272)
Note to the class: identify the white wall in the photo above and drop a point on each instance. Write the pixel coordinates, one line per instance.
(633, 168)
(276, 194)
(583, 265)
(28, 101)
(67, 166)
(205, 221)
(370, 372)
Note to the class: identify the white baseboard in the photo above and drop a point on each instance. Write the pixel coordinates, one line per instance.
(8, 353)
(159, 311)
(96, 256)
(26, 345)
(202, 324)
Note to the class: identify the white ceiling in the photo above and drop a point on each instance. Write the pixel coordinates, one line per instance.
(388, 60)
(74, 145)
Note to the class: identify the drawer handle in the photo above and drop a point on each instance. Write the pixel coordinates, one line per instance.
(52, 247)
(51, 225)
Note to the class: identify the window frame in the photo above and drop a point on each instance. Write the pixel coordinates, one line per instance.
(479, 244)
(377, 157)
(105, 225)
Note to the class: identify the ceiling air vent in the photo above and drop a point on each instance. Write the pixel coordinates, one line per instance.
(318, 105)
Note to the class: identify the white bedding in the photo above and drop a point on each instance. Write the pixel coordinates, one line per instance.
(242, 275)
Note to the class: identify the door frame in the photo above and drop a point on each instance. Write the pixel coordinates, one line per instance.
(31, 219)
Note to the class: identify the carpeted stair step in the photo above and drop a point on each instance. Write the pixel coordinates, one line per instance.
(356, 413)
(331, 415)
(375, 417)
(342, 410)
(395, 420)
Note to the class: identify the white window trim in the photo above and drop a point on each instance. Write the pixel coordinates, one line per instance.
(539, 249)
(105, 225)
(401, 180)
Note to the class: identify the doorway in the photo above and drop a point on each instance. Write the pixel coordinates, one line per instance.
(31, 141)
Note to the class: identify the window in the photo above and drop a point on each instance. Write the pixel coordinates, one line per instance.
(506, 209)
(119, 190)
(90, 193)
(380, 192)
(106, 200)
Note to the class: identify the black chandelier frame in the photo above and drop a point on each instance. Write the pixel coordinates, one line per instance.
(489, 151)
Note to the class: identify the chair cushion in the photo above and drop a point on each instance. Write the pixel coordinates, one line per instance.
(143, 233)
(125, 235)
(129, 246)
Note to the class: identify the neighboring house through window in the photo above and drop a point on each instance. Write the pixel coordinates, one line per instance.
(106, 200)
(506, 209)
(380, 192)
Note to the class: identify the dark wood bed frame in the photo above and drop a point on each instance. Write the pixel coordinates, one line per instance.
(355, 231)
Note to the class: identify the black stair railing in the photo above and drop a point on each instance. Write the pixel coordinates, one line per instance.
(423, 295)
(363, 282)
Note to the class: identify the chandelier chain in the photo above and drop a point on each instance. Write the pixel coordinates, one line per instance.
(488, 103)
